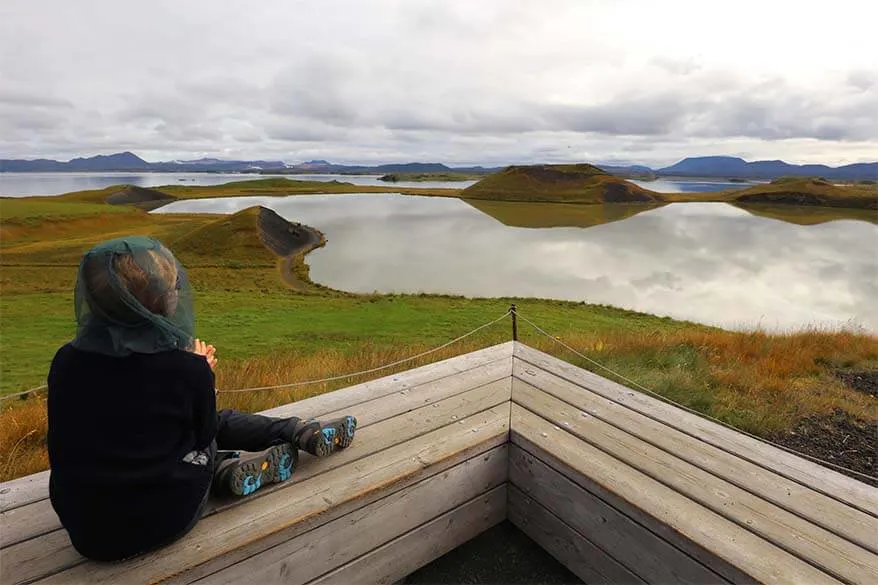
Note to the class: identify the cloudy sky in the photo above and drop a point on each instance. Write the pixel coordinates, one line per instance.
(456, 81)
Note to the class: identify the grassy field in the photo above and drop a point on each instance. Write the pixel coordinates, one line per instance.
(273, 187)
(269, 334)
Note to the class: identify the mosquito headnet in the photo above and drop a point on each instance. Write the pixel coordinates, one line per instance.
(132, 296)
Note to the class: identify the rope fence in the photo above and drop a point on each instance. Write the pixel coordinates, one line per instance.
(693, 411)
(515, 315)
(372, 370)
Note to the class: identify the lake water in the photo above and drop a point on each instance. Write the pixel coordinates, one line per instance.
(24, 184)
(707, 262)
(692, 185)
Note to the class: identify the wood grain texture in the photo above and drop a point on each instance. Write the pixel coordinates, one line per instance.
(345, 539)
(411, 551)
(39, 518)
(837, 517)
(24, 490)
(569, 547)
(418, 378)
(726, 548)
(637, 549)
(831, 553)
(20, 524)
(35, 487)
(822, 479)
(242, 531)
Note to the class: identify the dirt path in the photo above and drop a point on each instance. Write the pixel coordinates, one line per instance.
(292, 242)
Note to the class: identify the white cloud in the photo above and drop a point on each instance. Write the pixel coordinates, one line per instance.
(457, 81)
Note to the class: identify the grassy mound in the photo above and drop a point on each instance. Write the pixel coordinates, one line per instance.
(809, 191)
(580, 183)
(139, 197)
(229, 240)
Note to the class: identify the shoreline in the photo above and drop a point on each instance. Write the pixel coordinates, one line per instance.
(291, 242)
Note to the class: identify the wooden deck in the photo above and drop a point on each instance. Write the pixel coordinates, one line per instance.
(618, 486)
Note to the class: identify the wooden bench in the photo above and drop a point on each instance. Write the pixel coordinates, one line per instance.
(619, 486)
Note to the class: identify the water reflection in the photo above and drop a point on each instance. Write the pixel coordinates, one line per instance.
(542, 215)
(707, 262)
(809, 215)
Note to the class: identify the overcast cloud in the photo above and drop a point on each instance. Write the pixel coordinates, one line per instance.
(456, 81)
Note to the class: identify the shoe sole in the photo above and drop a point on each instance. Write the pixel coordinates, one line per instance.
(273, 466)
(335, 435)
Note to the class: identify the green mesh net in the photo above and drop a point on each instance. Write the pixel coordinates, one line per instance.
(132, 296)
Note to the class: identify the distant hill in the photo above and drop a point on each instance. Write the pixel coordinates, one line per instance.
(725, 167)
(123, 161)
(730, 166)
(581, 183)
(631, 171)
(809, 192)
(127, 161)
(139, 197)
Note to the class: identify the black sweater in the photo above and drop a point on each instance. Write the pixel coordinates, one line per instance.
(119, 428)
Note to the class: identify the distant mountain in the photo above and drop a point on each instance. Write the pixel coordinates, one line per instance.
(733, 167)
(322, 166)
(123, 161)
(631, 171)
(127, 161)
(704, 166)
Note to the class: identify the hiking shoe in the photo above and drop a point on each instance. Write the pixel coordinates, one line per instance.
(245, 475)
(324, 438)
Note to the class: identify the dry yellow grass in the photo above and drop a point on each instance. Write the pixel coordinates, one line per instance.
(759, 382)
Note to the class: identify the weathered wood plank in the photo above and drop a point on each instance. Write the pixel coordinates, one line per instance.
(835, 516)
(637, 549)
(408, 380)
(413, 550)
(242, 531)
(831, 553)
(720, 544)
(817, 477)
(402, 401)
(17, 525)
(330, 546)
(33, 559)
(570, 548)
(24, 490)
(393, 431)
(370, 440)
(35, 487)
(22, 523)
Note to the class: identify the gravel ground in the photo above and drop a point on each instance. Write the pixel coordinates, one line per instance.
(502, 555)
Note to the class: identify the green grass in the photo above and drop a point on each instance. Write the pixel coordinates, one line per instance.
(268, 334)
(29, 210)
(251, 323)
